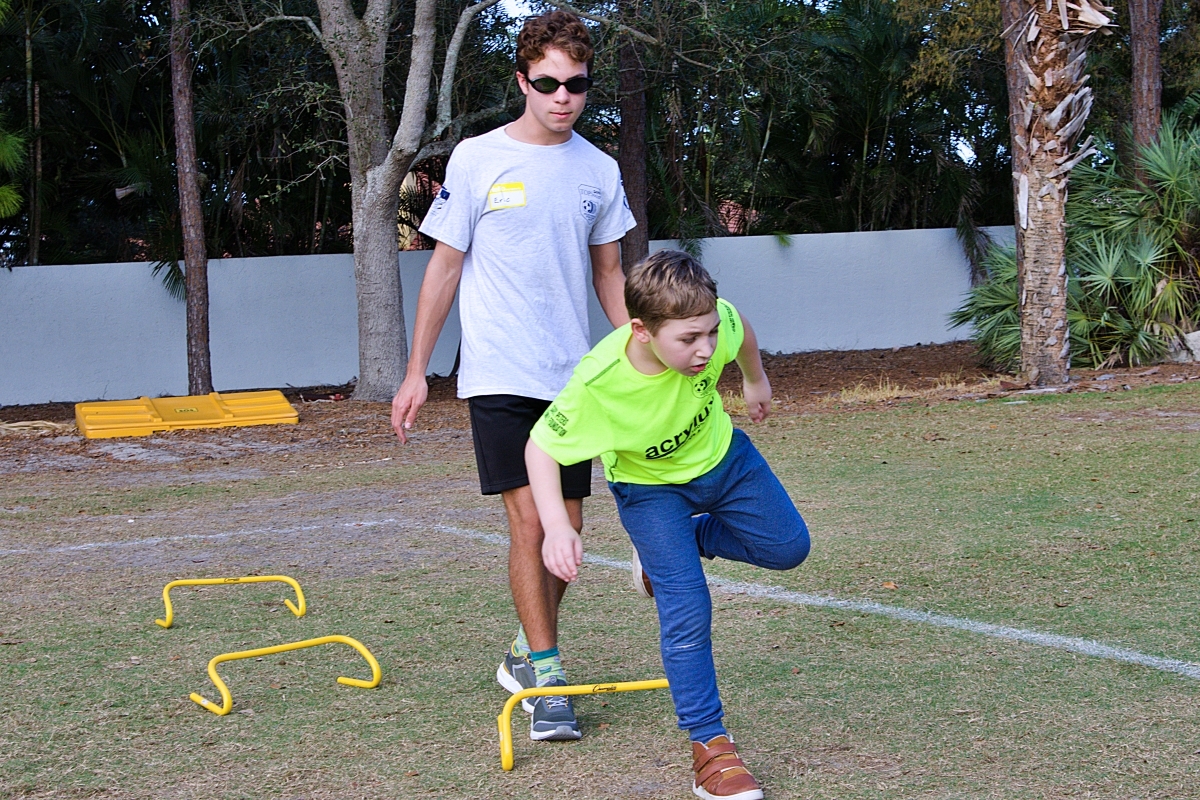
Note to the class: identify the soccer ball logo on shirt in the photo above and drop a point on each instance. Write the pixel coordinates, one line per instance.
(589, 202)
(703, 383)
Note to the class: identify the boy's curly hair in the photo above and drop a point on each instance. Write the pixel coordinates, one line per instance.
(667, 285)
(555, 30)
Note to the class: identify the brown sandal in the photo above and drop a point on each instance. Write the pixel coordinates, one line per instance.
(720, 773)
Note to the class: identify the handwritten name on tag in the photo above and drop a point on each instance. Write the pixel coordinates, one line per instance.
(506, 195)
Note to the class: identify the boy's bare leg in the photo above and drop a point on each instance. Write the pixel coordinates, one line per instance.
(536, 593)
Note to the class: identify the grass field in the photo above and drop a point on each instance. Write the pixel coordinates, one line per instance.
(1071, 515)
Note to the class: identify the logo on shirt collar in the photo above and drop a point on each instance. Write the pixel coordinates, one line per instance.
(589, 202)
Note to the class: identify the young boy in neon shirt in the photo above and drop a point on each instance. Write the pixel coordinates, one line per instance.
(686, 483)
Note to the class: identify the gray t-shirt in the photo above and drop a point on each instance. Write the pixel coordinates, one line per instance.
(525, 215)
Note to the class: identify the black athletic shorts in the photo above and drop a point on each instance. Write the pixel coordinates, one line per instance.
(500, 426)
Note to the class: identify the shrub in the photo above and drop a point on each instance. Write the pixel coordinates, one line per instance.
(1132, 250)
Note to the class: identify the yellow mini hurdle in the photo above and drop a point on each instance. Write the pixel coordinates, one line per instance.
(297, 608)
(227, 699)
(504, 721)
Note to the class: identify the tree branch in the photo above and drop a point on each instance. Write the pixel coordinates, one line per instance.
(441, 146)
(442, 121)
(312, 26)
(622, 27)
(378, 15)
(407, 140)
(645, 37)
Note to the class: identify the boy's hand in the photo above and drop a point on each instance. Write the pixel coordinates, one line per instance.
(562, 549)
(407, 403)
(562, 552)
(758, 398)
(756, 389)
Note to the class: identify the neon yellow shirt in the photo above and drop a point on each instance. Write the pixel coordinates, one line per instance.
(650, 429)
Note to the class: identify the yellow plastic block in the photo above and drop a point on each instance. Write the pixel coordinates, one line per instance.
(144, 416)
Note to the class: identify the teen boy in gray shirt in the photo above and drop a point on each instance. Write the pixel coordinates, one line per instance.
(524, 210)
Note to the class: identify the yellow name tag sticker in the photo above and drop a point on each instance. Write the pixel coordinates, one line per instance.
(506, 195)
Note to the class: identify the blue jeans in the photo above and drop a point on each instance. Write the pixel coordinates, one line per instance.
(738, 510)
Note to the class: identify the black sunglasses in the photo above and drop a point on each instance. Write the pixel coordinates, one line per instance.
(550, 85)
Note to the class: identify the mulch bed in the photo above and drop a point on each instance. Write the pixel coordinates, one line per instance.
(801, 382)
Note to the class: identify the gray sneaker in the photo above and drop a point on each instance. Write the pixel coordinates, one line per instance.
(554, 718)
(516, 673)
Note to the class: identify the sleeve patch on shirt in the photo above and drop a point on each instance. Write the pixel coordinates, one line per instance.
(506, 195)
(555, 420)
(442, 196)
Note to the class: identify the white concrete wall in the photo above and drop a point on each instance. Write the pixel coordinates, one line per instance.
(844, 291)
(110, 331)
(76, 333)
(293, 320)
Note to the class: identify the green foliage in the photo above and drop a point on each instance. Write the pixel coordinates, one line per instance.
(992, 308)
(12, 158)
(778, 116)
(269, 127)
(1132, 248)
(765, 116)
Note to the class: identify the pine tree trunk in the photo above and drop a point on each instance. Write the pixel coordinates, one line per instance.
(195, 258)
(1145, 45)
(632, 156)
(1049, 102)
(33, 126)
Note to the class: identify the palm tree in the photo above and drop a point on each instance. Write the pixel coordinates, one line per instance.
(1046, 47)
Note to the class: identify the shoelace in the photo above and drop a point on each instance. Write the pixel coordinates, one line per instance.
(556, 703)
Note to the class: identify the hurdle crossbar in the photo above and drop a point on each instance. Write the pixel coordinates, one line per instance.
(298, 608)
(227, 699)
(504, 721)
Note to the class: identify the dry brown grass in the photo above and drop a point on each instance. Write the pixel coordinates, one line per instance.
(883, 390)
(948, 384)
(38, 426)
(734, 403)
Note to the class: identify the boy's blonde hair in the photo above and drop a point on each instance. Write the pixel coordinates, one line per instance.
(667, 285)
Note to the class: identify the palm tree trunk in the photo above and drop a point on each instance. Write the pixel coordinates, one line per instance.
(1045, 50)
(195, 258)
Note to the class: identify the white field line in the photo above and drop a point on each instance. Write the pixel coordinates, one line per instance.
(1087, 647)
(193, 537)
